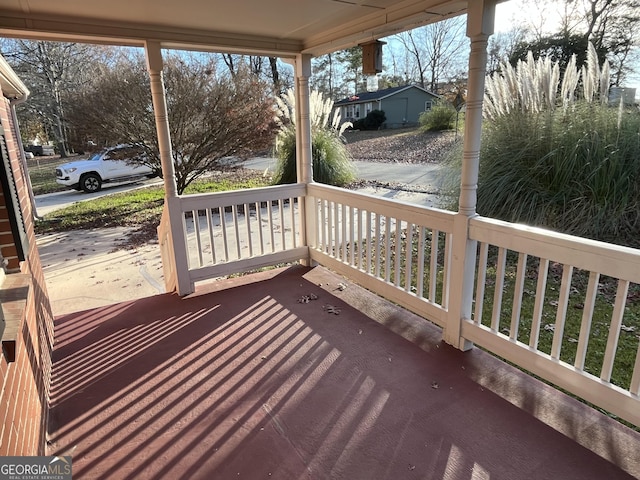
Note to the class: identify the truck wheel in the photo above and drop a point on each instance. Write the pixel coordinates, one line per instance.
(90, 183)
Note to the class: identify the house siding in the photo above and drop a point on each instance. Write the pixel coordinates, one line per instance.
(26, 380)
(402, 105)
(404, 108)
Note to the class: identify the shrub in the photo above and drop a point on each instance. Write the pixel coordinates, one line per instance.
(373, 121)
(442, 116)
(331, 162)
(567, 163)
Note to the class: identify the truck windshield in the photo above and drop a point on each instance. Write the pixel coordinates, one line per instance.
(95, 157)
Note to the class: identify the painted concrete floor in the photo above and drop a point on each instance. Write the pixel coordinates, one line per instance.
(243, 380)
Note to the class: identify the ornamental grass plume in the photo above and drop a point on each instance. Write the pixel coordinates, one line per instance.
(555, 154)
(534, 85)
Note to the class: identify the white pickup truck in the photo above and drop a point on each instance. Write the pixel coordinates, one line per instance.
(110, 165)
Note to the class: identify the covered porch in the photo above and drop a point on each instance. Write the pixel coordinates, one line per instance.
(242, 380)
(217, 368)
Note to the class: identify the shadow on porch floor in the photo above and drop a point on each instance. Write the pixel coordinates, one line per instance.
(240, 380)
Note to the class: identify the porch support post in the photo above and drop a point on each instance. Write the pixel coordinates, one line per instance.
(304, 159)
(154, 67)
(480, 21)
(303, 120)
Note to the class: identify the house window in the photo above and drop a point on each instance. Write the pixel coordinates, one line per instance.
(350, 112)
(427, 105)
(357, 108)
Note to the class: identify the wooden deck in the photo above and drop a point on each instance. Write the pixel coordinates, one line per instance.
(242, 380)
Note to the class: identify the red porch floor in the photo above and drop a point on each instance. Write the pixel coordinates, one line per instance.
(240, 380)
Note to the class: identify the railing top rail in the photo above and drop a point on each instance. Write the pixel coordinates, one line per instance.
(417, 214)
(236, 197)
(591, 255)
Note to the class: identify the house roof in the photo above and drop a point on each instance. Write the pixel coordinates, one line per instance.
(269, 27)
(378, 95)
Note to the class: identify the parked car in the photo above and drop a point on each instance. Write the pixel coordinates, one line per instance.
(40, 150)
(28, 155)
(110, 165)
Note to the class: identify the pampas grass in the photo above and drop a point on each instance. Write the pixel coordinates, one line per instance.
(331, 162)
(569, 165)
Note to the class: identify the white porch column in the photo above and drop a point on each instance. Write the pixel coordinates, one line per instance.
(154, 67)
(304, 159)
(480, 20)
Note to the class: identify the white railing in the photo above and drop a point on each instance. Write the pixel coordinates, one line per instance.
(232, 232)
(556, 305)
(398, 250)
(571, 330)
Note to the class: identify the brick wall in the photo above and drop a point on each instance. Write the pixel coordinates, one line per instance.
(26, 381)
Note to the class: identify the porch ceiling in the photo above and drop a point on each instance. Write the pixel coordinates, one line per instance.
(278, 27)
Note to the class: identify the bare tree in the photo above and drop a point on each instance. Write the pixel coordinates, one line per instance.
(51, 71)
(212, 116)
(610, 25)
(437, 50)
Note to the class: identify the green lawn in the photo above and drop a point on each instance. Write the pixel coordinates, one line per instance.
(42, 172)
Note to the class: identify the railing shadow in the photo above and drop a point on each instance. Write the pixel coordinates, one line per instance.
(248, 382)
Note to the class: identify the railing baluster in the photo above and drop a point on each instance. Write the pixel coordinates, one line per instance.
(420, 273)
(247, 221)
(292, 210)
(482, 280)
(323, 225)
(408, 257)
(587, 316)
(377, 247)
(541, 288)
(561, 313)
(331, 234)
(446, 275)
(336, 226)
(359, 242)
(433, 265)
(614, 330)
(387, 249)
(223, 226)
(368, 250)
(398, 250)
(499, 285)
(344, 233)
(282, 226)
(209, 212)
(260, 233)
(234, 215)
(196, 230)
(517, 295)
(352, 240)
(271, 232)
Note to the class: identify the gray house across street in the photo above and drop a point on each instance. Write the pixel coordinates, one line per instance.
(402, 105)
